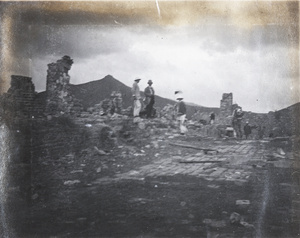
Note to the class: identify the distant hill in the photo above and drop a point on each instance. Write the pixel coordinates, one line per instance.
(94, 92)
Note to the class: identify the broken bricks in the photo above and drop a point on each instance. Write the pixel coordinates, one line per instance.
(99, 152)
(71, 182)
(214, 223)
(242, 203)
(235, 218)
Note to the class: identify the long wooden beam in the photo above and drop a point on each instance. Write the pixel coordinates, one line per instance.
(193, 147)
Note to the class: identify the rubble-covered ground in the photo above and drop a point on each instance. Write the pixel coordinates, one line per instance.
(158, 183)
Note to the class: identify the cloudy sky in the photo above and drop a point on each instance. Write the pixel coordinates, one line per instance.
(204, 49)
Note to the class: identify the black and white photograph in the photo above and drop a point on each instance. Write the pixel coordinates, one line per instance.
(149, 119)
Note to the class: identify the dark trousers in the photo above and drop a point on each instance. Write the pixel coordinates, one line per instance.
(149, 107)
(237, 126)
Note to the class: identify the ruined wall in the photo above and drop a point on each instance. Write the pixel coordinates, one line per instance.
(19, 99)
(17, 106)
(53, 138)
(279, 123)
(59, 98)
(286, 121)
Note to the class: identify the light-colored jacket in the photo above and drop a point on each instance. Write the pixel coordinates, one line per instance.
(136, 91)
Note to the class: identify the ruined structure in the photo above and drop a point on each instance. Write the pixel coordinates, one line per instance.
(226, 105)
(59, 98)
(112, 105)
(19, 99)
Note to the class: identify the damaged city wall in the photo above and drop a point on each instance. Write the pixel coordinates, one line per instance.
(15, 168)
(286, 121)
(18, 102)
(16, 108)
(273, 124)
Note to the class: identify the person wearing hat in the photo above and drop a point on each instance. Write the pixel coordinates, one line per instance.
(180, 111)
(136, 100)
(149, 100)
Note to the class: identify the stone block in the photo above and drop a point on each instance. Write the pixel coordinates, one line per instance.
(242, 203)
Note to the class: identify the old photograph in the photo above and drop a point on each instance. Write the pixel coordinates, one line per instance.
(149, 119)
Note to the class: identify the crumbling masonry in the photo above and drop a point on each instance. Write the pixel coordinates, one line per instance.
(59, 98)
(226, 108)
(19, 99)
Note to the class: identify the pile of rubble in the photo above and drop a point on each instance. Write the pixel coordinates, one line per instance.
(235, 223)
(110, 107)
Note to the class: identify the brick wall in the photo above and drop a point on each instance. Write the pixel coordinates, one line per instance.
(19, 99)
(15, 170)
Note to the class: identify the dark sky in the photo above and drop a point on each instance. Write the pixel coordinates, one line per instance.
(202, 48)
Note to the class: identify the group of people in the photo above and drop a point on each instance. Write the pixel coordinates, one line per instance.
(149, 101)
(180, 111)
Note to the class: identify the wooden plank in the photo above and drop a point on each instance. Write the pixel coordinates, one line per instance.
(192, 147)
(200, 161)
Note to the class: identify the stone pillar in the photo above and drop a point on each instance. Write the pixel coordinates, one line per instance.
(226, 108)
(57, 88)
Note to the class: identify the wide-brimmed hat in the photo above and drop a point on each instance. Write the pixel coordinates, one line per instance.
(178, 95)
(137, 79)
(150, 81)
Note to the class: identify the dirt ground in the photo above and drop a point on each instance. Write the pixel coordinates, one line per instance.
(95, 194)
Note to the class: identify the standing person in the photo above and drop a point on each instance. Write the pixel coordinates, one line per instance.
(149, 100)
(261, 132)
(237, 121)
(181, 112)
(247, 129)
(212, 118)
(136, 100)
